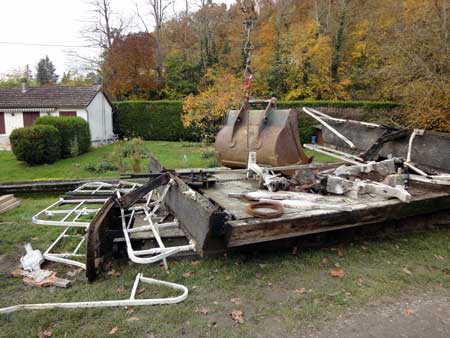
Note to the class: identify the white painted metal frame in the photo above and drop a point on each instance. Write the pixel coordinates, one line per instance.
(65, 257)
(95, 188)
(155, 254)
(80, 209)
(330, 128)
(335, 153)
(132, 301)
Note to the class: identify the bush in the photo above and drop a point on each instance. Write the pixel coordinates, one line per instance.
(36, 145)
(152, 120)
(100, 167)
(74, 134)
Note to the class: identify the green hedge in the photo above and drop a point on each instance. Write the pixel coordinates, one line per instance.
(74, 134)
(152, 120)
(161, 120)
(367, 105)
(36, 145)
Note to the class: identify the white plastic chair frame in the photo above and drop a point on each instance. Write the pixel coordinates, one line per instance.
(132, 301)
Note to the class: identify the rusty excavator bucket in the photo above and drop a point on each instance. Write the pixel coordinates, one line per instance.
(271, 133)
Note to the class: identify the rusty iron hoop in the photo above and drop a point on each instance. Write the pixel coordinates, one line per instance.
(252, 209)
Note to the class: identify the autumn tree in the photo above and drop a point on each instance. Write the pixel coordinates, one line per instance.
(130, 67)
(207, 110)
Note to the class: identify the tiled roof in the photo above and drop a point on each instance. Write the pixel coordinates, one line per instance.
(48, 96)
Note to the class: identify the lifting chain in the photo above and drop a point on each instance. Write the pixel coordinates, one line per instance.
(250, 9)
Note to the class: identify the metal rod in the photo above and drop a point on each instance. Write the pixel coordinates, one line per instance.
(330, 128)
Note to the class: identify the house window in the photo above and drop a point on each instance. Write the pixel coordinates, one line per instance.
(29, 117)
(67, 113)
(2, 123)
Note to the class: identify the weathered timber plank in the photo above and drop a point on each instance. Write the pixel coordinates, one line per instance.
(6, 198)
(9, 205)
(249, 231)
(45, 186)
(194, 211)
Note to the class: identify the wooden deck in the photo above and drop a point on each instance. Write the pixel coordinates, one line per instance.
(244, 229)
(216, 222)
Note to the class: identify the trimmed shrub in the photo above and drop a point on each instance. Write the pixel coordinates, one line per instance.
(152, 120)
(74, 134)
(36, 145)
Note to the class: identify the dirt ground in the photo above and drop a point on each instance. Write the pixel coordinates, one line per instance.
(413, 316)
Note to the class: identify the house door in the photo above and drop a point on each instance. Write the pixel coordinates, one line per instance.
(68, 113)
(29, 118)
(2, 123)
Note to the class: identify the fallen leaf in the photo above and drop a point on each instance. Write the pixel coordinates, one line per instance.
(188, 274)
(405, 270)
(227, 277)
(133, 319)
(202, 310)
(340, 251)
(129, 311)
(236, 301)
(295, 251)
(439, 258)
(113, 330)
(360, 281)
(74, 272)
(113, 273)
(324, 261)
(269, 284)
(149, 335)
(120, 289)
(45, 334)
(446, 272)
(258, 275)
(337, 272)
(408, 312)
(194, 263)
(364, 247)
(237, 316)
(140, 291)
(300, 291)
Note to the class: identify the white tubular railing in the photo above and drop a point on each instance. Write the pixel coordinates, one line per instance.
(132, 301)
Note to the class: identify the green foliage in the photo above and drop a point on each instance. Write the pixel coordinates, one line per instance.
(36, 145)
(152, 120)
(100, 167)
(129, 155)
(209, 155)
(182, 76)
(74, 134)
(46, 72)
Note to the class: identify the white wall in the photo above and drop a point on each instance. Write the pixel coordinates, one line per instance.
(100, 119)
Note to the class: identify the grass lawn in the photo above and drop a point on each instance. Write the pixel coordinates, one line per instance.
(281, 295)
(171, 154)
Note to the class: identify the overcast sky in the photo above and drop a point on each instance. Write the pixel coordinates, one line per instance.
(50, 22)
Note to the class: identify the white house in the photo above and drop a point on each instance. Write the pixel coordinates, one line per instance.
(19, 107)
